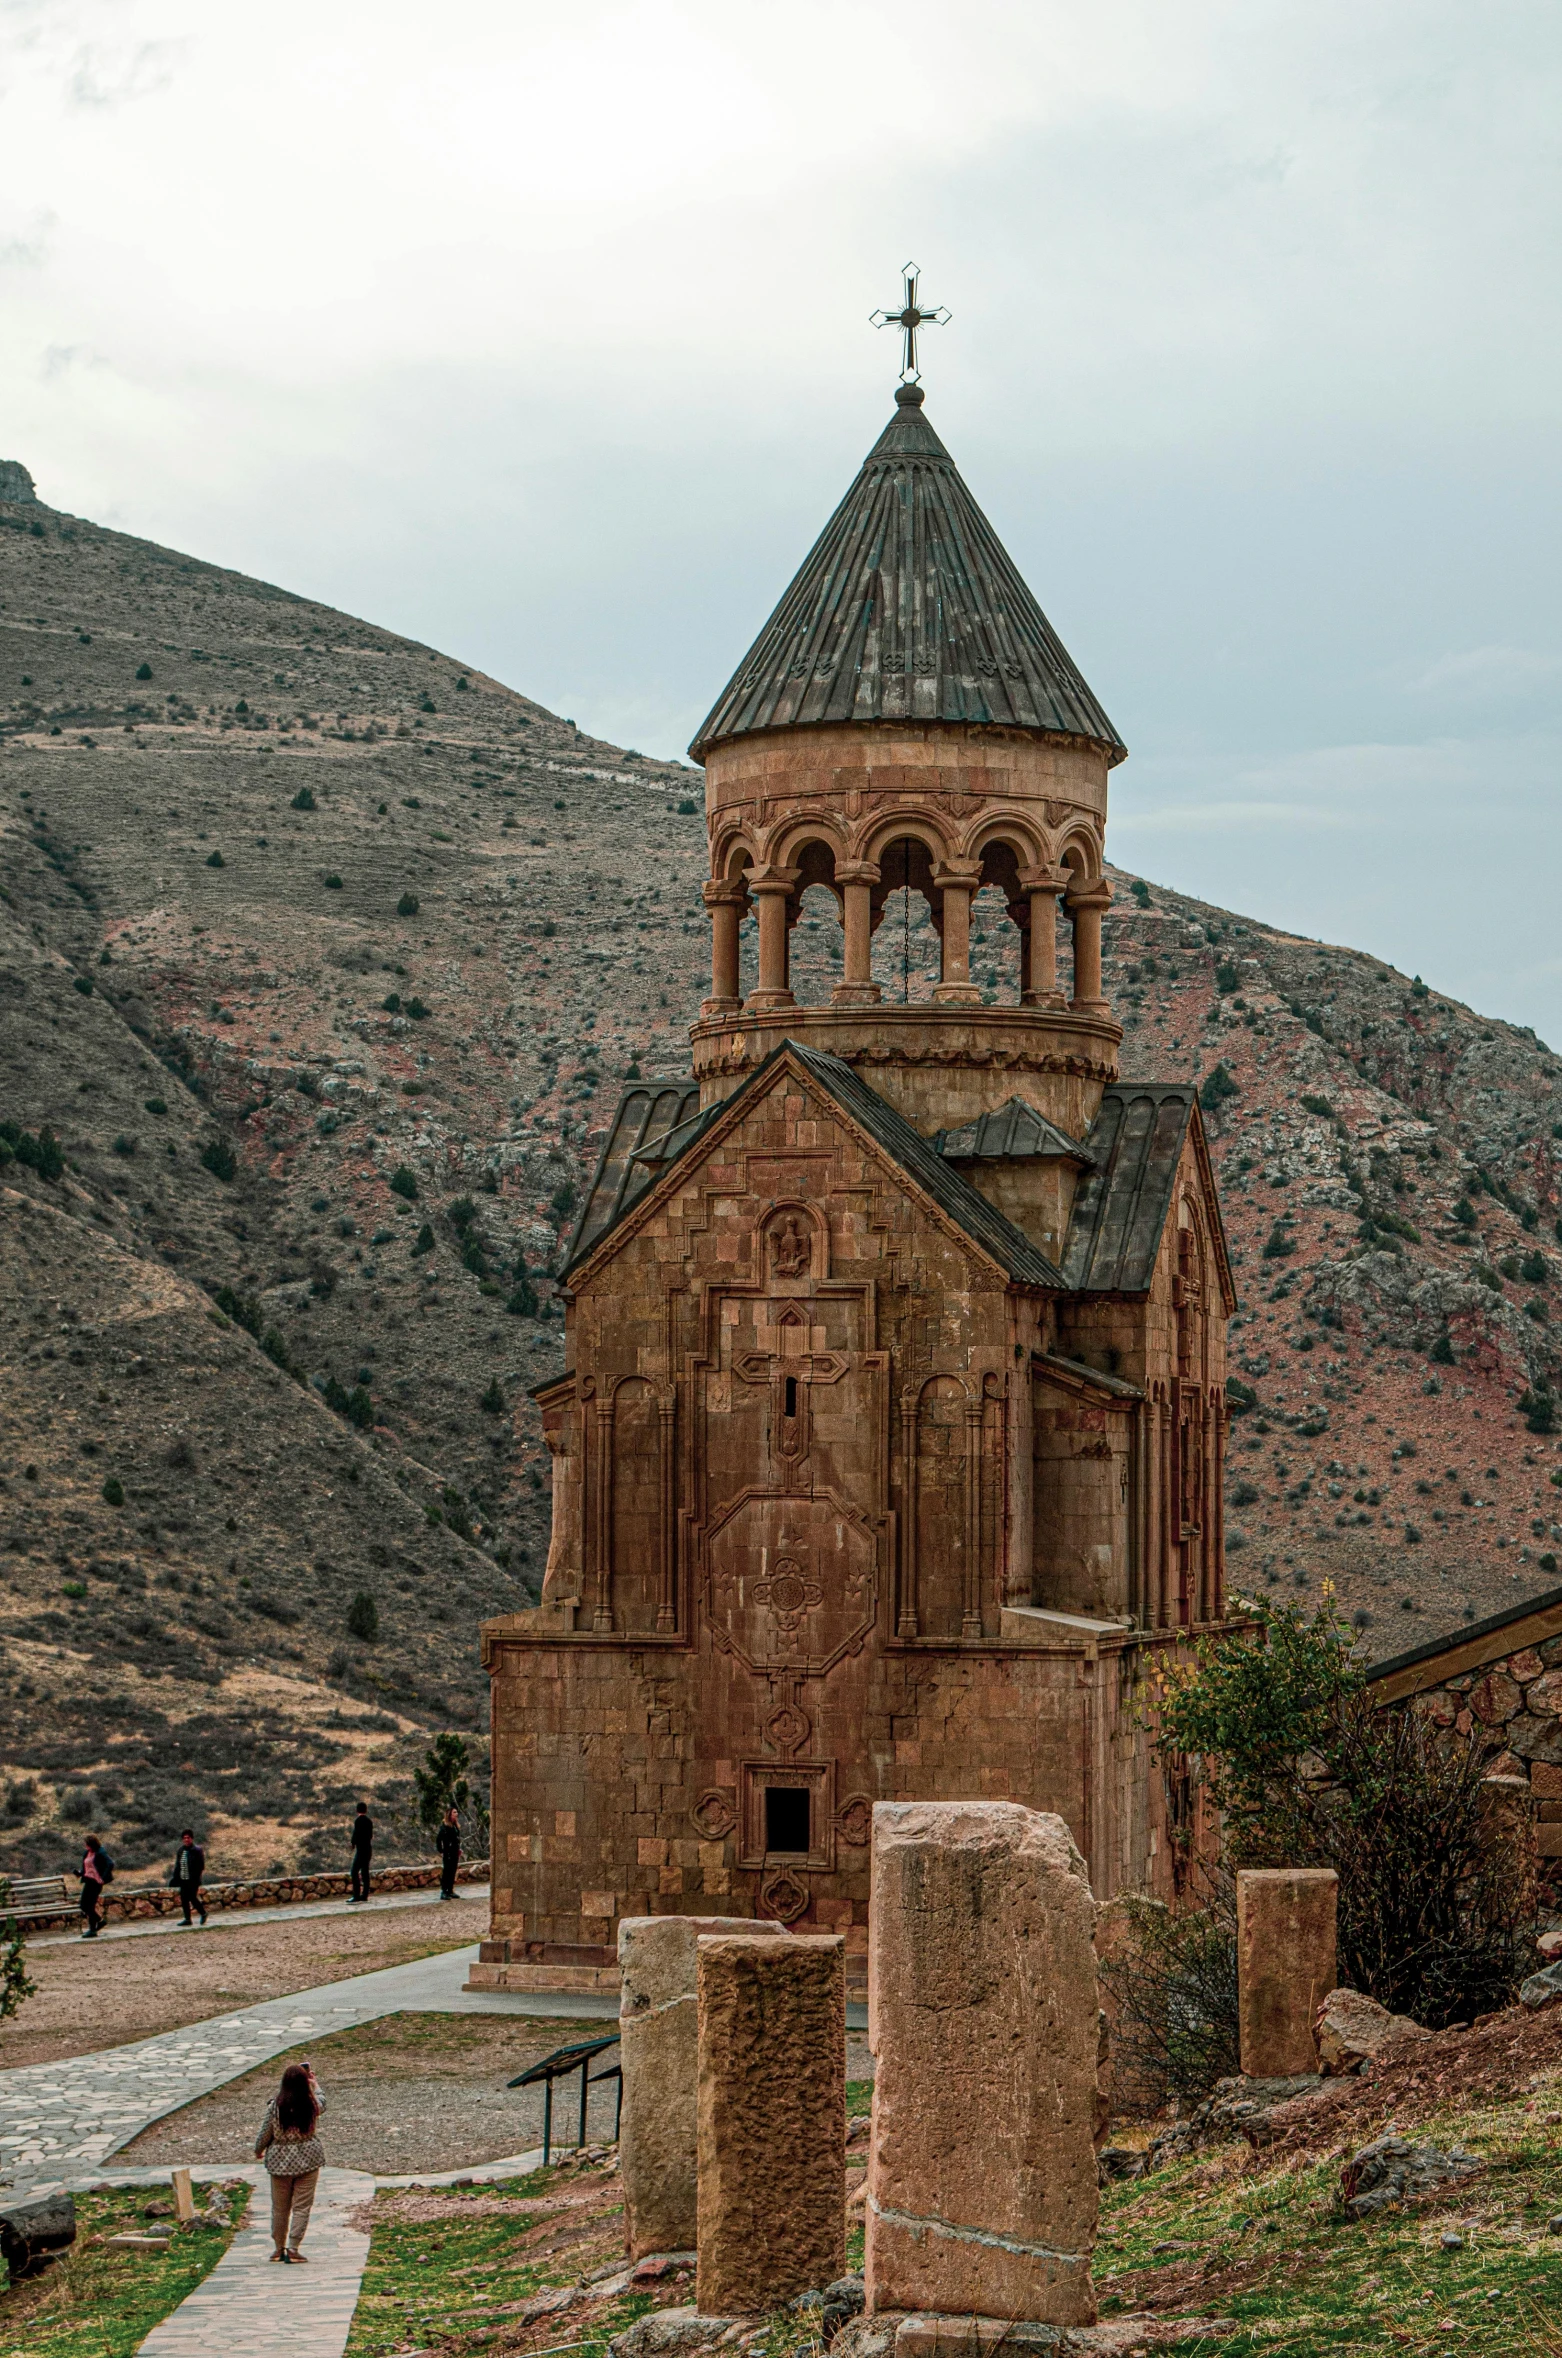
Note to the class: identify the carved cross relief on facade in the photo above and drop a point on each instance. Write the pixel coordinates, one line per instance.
(790, 1371)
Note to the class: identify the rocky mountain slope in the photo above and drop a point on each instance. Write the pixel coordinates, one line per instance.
(321, 960)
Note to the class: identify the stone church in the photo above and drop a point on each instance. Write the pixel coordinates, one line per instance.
(888, 1458)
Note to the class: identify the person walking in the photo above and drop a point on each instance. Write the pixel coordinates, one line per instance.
(97, 1870)
(188, 1868)
(294, 2158)
(449, 1845)
(363, 1849)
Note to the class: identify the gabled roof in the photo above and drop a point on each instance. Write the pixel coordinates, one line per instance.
(1122, 1202)
(909, 608)
(1016, 1132)
(1469, 1647)
(646, 1114)
(916, 1157)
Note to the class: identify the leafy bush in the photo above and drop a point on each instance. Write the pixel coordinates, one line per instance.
(425, 1241)
(1217, 1088)
(523, 1297)
(114, 1491)
(492, 1402)
(407, 906)
(416, 1009)
(1535, 1269)
(1464, 1212)
(403, 1183)
(1226, 977)
(1278, 1244)
(1309, 1771)
(215, 860)
(217, 1157)
(1175, 1992)
(43, 1154)
(391, 1003)
(1320, 1106)
(363, 1618)
(157, 1105)
(303, 800)
(1442, 1351)
(687, 809)
(143, 671)
(333, 882)
(83, 983)
(1141, 893)
(1538, 1408)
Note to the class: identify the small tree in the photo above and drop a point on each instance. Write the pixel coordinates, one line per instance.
(1309, 1771)
(16, 1987)
(403, 1183)
(442, 1784)
(217, 1156)
(303, 800)
(363, 1618)
(492, 1402)
(1442, 1351)
(407, 906)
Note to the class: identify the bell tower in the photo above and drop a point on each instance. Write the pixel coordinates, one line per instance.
(908, 718)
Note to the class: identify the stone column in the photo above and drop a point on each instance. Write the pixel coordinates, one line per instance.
(1041, 981)
(726, 903)
(772, 2120)
(857, 987)
(1086, 906)
(1286, 1965)
(772, 888)
(983, 2019)
(659, 2051)
(957, 886)
(1507, 1806)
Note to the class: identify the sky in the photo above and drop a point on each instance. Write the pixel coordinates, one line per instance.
(543, 335)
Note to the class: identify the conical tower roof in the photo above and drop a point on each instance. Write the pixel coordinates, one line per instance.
(908, 608)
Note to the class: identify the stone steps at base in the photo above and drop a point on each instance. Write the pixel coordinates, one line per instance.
(540, 1977)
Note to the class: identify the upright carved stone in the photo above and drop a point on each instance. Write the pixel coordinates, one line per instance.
(1285, 1965)
(659, 2050)
(772, 2119)
(984, 2024)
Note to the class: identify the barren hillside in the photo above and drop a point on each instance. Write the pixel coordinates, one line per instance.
(322, 959)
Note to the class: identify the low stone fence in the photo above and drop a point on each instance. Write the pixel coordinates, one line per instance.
(122, 1902)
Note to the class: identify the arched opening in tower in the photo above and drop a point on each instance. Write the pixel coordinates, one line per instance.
(907, 952)
(818, 946)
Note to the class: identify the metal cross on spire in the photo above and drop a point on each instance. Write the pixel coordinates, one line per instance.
(908, 319)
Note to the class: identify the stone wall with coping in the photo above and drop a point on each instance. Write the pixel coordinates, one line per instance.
(124, 1903)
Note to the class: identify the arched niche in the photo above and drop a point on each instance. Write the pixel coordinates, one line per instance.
(636, 1536)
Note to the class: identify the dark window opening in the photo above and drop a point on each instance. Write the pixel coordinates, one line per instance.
(787, 1818)
(791, 1395)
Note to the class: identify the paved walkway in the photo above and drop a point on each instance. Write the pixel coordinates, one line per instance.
(59, 2119)
(230, 1919)
(250, 2308)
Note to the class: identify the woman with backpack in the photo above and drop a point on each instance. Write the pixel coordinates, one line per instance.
(97, 1870)
(294, 2158)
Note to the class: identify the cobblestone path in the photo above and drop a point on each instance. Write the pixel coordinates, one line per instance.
(58, 2120)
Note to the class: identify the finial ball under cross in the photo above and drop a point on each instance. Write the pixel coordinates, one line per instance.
(908, 319)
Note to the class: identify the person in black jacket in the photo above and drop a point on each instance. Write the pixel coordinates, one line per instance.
(363, 1846)
(448, 1843)
(188, 1868)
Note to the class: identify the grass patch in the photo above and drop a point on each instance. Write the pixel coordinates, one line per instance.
(1264, 2244)
(100, 2303)
(454, 2279)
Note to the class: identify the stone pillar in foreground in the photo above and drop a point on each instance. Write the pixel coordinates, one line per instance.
(772, 2120)
(659, 2051)
(984, 2026)
(1285, 1965)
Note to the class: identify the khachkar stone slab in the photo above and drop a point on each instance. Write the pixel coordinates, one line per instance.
(772, 2120)
(1285, 1965)
(659, 2050)
(984, 2026)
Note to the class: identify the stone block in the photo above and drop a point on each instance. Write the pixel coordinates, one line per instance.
(984, 2022)
(772, 2119)
(659, 2052)
(1285, 1965)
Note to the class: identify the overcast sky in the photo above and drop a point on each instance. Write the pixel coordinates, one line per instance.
(542, 334)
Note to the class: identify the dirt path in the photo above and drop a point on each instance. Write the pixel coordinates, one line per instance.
(95, 1994)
